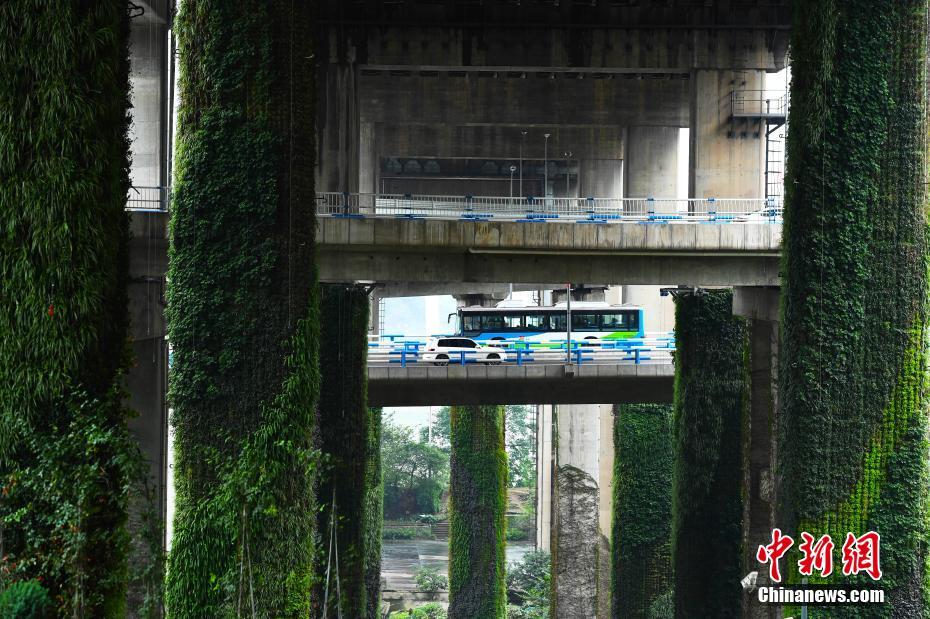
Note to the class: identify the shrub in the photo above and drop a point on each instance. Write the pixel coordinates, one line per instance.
(427, 611)
(25, 600)
(430, 580)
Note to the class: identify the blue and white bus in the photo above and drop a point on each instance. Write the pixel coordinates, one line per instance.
(542, 325)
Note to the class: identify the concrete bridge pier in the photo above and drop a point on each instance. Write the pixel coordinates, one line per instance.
(652, 172)
(580, 512)
(727, 155)
(760, 306)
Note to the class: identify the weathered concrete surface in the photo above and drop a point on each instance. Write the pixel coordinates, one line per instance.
(395, 250)
(727, 156)
(528, 384)
(576, 545)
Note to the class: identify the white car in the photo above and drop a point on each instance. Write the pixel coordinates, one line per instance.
(440, 351)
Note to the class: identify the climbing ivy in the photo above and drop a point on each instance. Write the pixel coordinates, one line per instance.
(374, 514)
(477, 506)
(711, 408)
(642, 514)
(853, 444)
(343, 422)
(67, 461)
(243, 312)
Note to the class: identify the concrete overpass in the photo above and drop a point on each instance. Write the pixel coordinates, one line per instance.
(427, 250)
(526, 384)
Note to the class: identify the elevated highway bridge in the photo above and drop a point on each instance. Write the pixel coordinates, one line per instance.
(716, 242)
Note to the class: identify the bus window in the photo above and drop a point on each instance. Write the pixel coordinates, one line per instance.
(584, 322)
(614, 322)
(514, 321)
(557, 321)
(632, 321)
(535, 322)
(472, 323)
(492, 322)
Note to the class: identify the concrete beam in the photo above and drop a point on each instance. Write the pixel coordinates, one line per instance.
(511, 384)
(395, 250)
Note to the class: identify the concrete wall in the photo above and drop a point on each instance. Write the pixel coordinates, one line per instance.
(727, 156)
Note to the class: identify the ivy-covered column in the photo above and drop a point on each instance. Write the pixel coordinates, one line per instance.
(641, 570)
(374, 514)
(711, 407)
(66, 458)
(242, 312)
(853, 452)
(343, 421)
(477, 505)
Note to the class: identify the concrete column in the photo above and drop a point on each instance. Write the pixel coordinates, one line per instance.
(339, 128)
(374, 322)
(543, 476)
(147, 380)
(760, 306)
(727, 156)
(652, 172)
(580, 293)
(651, 162)
(578, 543)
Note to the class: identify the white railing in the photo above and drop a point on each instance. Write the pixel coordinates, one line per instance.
(587, 210)
(148, 199)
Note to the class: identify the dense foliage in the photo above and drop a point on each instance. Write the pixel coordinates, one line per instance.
(242, 312)
(415, 472)
(477, 506)
(374, 513)
(67, 462)
(343, 420)
(853, 448)
(642, 508)
(711, 408)
(26, 599)
(529, 582)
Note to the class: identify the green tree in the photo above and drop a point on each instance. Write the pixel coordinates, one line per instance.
(242, 312)
(415, 473)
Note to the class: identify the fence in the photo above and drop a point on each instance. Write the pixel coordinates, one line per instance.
(540, 210)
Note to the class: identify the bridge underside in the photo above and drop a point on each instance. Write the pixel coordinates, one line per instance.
(541, 384)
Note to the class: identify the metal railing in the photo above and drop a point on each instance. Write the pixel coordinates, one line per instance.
(398, 350)
(536, 210)
(148, 199)
(758, 104)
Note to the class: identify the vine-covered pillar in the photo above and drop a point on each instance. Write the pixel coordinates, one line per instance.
(477, 506)
(641, 570)
(711, 407)
(853, 450)
(374, 514)
(243, 312)
(343, 422)
(66, 459)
